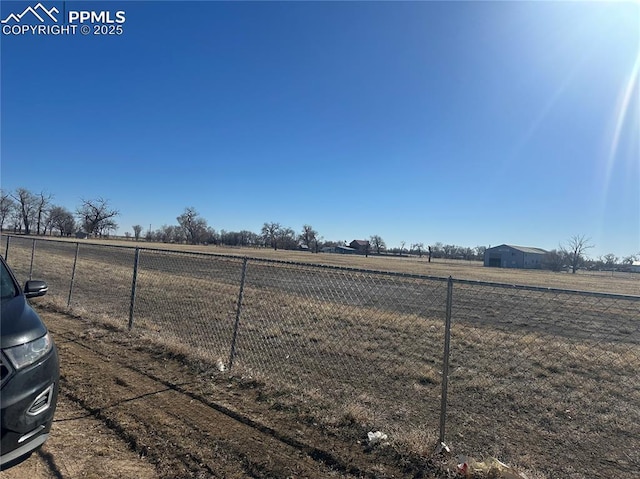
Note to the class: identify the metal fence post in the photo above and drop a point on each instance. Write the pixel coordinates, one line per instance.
(133, 287)
(6, 249)
(33, 252)
(232, 354)
(73, 275)
(445, 362)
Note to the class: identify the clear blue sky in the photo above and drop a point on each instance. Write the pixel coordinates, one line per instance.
(468, 123)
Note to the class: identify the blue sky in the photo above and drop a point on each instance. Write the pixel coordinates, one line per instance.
(468, 123)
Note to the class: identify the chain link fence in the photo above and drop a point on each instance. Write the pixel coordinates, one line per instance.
(543, 379)
(546, 377)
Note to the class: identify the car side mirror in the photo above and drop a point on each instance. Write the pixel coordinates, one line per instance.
(34, 288)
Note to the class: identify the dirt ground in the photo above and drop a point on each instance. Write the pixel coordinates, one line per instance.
(81, 446)
(127, 410)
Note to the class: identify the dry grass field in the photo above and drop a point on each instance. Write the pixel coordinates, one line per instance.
(604, 282)
(545, 380)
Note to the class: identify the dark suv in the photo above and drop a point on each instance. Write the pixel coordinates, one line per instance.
(29, 367)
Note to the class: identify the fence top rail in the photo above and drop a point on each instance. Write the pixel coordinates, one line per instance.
(544, 289)
(470, 282)
(243, 257)
(350, 269)
(62, 241)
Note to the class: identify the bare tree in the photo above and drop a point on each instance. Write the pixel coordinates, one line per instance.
(61, 219)
(378, 243)
(308, 236)
(237, 238)
(419, 247)
(7, 205)
(27, 207)
(151, 235)
(610, 260)
(287, 238)
(467, 253)
(450, 251)
(194, 227)
(106, 227)
(436, 251)
(137, 229)
(167, 234)
(42, 203)
(211, 236)
(246, 238)
(96, 216)
(402, 245)
(575, 249)
(16, 220)
(270, 233)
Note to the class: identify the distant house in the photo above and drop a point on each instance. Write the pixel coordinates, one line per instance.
(338, 249)
(81, 235)
(360, 246)
(510, 256)
(635, 267)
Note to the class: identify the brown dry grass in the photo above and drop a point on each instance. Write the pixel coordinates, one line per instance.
(528, 369)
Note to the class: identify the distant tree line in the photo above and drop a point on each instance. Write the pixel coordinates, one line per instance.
(25, 212)
(193, 229)
(571, 256)
(440, 251)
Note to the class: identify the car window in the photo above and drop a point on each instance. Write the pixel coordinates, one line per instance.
(8, 288)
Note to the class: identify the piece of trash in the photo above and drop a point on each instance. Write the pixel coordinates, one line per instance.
(220, 365)
(463, 465)
(375, 437)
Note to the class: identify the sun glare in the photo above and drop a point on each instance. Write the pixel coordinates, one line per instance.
(622, 115)
(625, 111)
(628, 30)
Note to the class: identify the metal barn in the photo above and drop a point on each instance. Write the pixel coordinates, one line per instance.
(509, 256)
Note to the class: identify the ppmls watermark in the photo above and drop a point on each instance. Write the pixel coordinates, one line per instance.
(40, 20)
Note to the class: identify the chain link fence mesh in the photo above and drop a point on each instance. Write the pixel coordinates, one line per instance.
(546, 378)
(543, 379)
(21, 251)
(102, 286)
(188, 301)
(366, 343)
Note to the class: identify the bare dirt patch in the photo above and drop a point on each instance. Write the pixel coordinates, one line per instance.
(81, 446)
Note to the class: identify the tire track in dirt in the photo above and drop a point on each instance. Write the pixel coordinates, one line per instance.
(81, 446)
(183, 435)
(156, 420)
